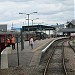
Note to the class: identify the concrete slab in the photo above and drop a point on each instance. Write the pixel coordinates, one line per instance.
(4, 59)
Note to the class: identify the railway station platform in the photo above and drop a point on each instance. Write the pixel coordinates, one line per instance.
(27, 57)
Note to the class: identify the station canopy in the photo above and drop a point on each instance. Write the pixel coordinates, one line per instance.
(37, 27)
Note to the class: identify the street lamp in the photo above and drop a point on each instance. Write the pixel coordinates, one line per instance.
(33, 20)
(28, 17)
(33, 23)
(28, 20)
(17, 49)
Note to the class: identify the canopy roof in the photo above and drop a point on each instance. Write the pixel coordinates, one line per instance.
(37, 27)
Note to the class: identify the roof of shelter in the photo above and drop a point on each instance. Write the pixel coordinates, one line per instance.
(37, 27)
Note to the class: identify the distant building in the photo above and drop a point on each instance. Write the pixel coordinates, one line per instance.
(69, 29)
(57, 28)
(15, 29)
(71, 24)
(3, 27)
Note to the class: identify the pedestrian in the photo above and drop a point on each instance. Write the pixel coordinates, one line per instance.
(31, 42)
(13, 43)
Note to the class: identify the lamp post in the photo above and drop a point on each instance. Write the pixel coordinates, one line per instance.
(28, 17)
(33, 23)
(33, 20)
(22, 41)
(28, 21)
(17, 49)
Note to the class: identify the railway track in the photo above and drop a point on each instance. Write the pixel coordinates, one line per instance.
(72, 47)
(55, 64)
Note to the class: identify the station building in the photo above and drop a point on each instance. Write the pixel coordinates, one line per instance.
(3, 27)
(69, 30)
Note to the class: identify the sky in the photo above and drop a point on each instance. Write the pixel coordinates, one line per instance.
(50, 12)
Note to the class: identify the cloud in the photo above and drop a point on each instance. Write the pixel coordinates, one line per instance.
(15, 0)
(50, 11)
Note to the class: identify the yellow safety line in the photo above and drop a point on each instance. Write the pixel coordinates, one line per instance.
(39, 47)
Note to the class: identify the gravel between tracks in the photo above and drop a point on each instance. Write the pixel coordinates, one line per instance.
(69, 59)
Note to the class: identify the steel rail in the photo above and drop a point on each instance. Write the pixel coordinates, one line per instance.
(47, 64)
(46, 67)
(71, 46)
(64, 65)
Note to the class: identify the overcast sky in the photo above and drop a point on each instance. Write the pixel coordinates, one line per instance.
(49, 11)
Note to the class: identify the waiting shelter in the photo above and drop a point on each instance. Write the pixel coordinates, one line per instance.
(37, 28)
